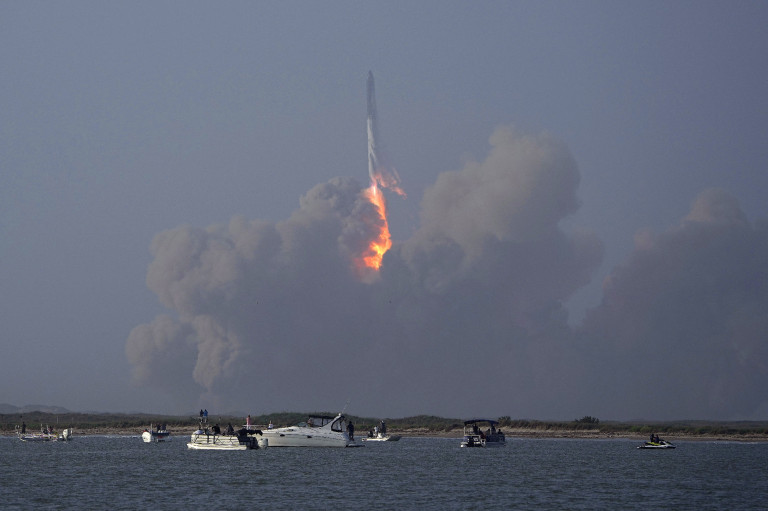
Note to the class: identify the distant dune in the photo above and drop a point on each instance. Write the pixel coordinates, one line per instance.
(5, 408)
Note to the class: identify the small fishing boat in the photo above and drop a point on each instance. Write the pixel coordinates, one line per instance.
(379, 434)
(474, 436)
(46, 434)
(65, 435)
(212, 439)
(157, 433)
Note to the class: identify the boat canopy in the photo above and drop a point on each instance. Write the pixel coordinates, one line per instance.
(475, 421)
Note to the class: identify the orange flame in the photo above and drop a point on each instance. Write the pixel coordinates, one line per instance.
(368, 263)
(379, 245)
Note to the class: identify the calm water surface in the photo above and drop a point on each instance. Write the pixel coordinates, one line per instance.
(416, 473)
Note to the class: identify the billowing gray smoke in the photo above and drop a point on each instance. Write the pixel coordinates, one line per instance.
(471, 302)
(466, 317)
(682, 331)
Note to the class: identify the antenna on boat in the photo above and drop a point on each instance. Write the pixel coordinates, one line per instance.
(345, 407)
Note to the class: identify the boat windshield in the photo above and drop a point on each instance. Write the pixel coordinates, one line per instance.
(316, 421)
(339, 424)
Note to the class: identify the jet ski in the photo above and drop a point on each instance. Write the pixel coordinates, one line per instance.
(660, 444)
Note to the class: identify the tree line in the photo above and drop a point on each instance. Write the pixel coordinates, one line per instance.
(424, 423)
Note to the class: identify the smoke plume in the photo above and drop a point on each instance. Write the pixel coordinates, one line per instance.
(682, 329)
(472, 300)
(465, 317)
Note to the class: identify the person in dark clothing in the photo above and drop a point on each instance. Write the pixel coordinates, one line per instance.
(351, 430)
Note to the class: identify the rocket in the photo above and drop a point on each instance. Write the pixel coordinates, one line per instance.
(371, 97)
(373, 158)
(381, 172)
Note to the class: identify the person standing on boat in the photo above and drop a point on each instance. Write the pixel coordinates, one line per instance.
(351, 431)
(248, 422)
(23, 427)
(205, 415)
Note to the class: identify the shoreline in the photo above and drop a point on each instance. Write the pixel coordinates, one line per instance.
(511, 433)
(536, 434)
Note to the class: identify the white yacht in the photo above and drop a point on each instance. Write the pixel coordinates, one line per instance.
(318, 431)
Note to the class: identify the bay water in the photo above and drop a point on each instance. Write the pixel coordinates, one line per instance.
(123, 472)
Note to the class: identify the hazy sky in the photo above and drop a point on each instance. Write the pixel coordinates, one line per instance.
(584, 231)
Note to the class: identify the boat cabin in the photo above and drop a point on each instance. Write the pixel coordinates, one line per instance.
(337, 422)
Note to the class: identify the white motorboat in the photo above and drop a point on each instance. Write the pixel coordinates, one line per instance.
(318, 431)
(65, 435)
(156, 434)
(474, 436)
(213, 439)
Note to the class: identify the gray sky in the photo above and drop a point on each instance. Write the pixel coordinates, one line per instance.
(584, 231)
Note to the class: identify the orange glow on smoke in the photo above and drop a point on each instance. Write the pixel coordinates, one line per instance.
(368, 262)
(379, 245)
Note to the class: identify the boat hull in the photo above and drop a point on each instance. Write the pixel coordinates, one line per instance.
(203, 441)
(483, 444)
(385, 438)
(155, 436)
(306, 437)
(38, 437)
(477, 441)
(654, 445)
